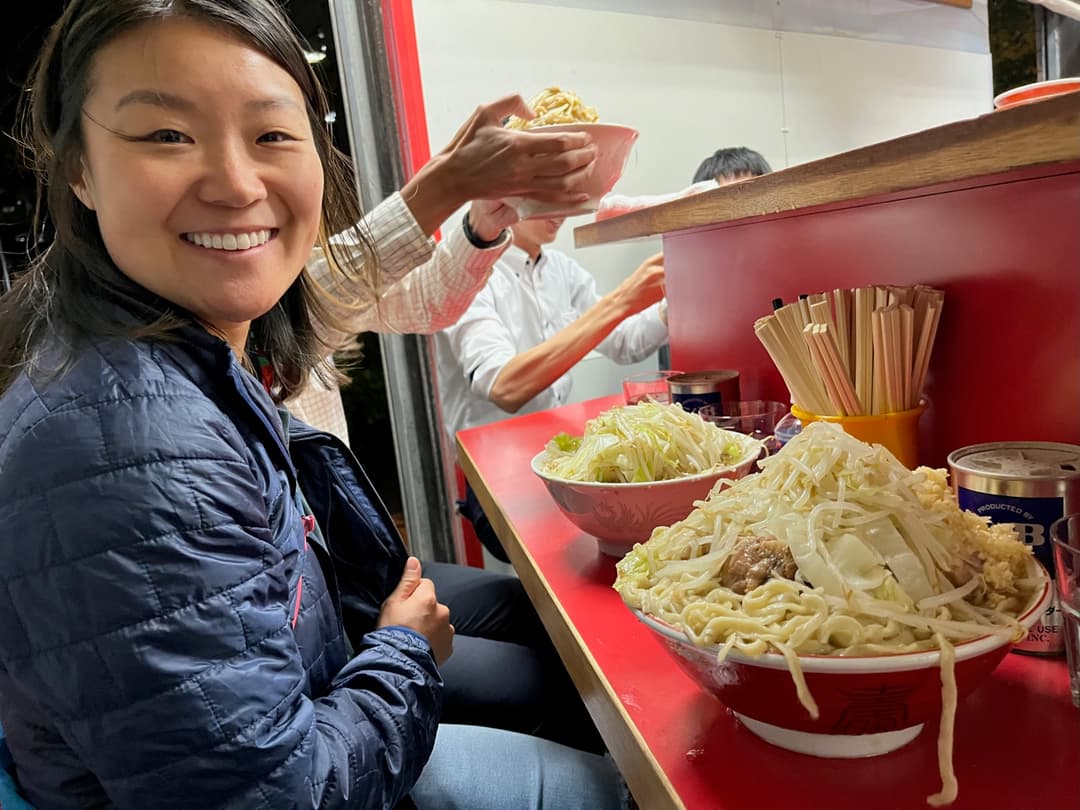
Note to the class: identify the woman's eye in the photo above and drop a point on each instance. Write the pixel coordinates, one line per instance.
(168, 136)
(275, 137)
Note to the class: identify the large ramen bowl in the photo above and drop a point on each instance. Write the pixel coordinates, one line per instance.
(613, 143)
(868, 705)
(619, 515)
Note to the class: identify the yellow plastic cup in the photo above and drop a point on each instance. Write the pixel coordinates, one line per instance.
(898, 431)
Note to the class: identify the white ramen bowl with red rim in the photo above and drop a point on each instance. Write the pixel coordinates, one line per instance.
(620, 515)
(613, 143)
(869, 705)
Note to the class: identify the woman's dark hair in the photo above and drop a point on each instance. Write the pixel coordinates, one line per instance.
(70, 291)
(732, 163)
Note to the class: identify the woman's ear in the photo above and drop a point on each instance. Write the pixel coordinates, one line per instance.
(82, 185)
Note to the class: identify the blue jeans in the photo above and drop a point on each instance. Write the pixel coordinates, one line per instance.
(9, 796)
(475, 768)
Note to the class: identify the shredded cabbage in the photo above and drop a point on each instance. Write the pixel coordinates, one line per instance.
(646, 442)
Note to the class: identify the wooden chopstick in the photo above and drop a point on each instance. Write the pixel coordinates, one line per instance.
(830, 353)
(907, 327)
(854, 352)
(795, 373)
(841, 306)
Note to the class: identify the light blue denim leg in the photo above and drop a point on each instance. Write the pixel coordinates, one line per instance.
(474, 768)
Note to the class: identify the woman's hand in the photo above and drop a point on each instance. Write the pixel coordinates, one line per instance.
(413, 604)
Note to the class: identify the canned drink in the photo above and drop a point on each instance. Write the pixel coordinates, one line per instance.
(1027, 485)
(700, 388)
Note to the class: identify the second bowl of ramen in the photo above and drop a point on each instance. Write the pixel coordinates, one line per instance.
(619, 515)
(613, 144)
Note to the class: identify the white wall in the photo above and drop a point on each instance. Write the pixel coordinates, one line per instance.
(690, 87)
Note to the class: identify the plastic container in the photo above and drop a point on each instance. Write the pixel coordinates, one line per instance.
(898, 432)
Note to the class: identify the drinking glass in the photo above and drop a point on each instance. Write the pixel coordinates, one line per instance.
(754, 417)
(650, 385)
(1065, 534)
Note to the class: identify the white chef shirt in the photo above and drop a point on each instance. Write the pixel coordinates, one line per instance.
(523, 304)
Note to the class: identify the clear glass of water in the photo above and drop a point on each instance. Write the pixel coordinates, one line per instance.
(1065, 534)
(754, 417)
(648, 385)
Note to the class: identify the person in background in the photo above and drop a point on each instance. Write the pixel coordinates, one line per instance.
(422, 287)
(211, 608)
(724, 166)
(731, 164)
(534, 320)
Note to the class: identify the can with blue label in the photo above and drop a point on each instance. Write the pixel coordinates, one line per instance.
(700, 388)
(1028, 485)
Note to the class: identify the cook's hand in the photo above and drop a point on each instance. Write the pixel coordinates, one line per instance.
(488, 218)
(490, 161)
(644, 287)
(413, 604)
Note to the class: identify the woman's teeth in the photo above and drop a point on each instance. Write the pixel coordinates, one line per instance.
(228, 241)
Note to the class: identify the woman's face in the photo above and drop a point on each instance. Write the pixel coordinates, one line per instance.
(200, 165)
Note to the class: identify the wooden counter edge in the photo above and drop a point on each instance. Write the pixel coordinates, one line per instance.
(1027, 135)
(646, 779)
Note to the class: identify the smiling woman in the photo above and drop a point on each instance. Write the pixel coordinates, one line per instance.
(180, 179)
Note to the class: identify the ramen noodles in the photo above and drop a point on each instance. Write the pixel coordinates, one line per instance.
(556, 106)
(835, 548)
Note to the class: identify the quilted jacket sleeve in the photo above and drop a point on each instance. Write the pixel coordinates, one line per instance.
(150, 623)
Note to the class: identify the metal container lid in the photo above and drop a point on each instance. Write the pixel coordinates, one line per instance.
(694, 377)
(1012, 460)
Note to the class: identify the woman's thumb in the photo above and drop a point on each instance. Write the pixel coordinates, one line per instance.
(409, 579)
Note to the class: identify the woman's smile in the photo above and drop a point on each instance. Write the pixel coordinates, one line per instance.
(236, 242)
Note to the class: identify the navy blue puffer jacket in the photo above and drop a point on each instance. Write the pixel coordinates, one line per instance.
(171, 632)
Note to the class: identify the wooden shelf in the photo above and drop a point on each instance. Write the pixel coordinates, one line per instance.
(1028, 135)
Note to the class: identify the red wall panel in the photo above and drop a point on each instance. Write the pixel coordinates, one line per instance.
(1007, 253)
(399, 30)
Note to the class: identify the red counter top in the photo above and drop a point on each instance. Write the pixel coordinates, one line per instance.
(1017, 737)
